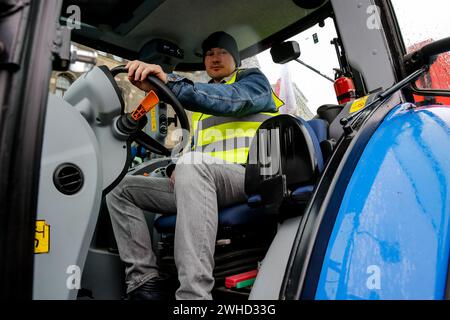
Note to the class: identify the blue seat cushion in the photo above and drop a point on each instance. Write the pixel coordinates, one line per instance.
(302, 194)
(255, 201)
(238, 215)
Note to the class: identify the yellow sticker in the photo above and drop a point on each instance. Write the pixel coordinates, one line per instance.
(153, 112)
(42, 237)
(358, 104)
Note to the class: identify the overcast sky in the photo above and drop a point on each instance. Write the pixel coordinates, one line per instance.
(422, 20)
(419, 21)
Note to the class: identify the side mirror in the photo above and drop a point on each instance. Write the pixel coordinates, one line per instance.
(284, 52)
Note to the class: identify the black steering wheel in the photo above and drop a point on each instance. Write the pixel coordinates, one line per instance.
(165, 95)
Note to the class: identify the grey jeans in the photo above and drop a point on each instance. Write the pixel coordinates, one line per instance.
(202, 186)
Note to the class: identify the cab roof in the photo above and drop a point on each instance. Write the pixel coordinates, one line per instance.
(122, 28)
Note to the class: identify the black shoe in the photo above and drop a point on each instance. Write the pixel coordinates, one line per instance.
(153, 289)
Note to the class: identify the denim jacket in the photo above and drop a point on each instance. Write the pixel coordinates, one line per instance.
(250, 94)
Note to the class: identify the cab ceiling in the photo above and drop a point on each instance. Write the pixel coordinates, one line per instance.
(123, 27)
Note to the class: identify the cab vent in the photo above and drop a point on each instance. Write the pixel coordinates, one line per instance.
(68, 179)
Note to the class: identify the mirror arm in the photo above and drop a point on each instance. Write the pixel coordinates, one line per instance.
(315, 70)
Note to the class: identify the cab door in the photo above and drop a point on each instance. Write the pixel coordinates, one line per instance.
(29, 41)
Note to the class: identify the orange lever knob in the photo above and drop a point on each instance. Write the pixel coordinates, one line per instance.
(147, 104)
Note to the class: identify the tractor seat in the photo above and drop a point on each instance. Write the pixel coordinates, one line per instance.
(283, 179)
(236, 215)
(301, 164)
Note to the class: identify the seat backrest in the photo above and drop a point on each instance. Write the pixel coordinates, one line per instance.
(320, 128)
(284, 155)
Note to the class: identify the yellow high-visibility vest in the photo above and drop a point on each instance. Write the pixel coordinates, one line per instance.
(228, 138)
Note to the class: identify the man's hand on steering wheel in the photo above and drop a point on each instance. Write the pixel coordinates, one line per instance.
(139, 71)
(150, 77)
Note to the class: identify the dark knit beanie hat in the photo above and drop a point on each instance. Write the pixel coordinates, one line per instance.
(222, 40)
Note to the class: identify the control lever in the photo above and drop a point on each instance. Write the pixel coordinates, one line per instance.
(129, 123)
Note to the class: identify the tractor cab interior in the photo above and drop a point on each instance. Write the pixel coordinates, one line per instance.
(287, 155)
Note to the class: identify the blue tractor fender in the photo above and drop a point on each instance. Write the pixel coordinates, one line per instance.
(391, 236)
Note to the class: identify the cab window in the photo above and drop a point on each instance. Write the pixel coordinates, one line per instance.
(310, 89)
(421, 23)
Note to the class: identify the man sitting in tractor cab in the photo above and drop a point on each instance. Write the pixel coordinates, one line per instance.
(230, 108)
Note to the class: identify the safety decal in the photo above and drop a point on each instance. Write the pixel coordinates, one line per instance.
(358, 104)
(42, 237)
(153, 113)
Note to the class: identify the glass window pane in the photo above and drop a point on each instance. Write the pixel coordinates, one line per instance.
(309, 89)
(421, 23)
